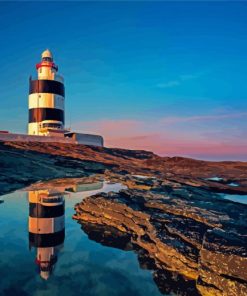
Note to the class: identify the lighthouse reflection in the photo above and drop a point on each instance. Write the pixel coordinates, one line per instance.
(46, 221)
(46, 228)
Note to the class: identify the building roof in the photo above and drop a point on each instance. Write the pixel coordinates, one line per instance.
(47, 54)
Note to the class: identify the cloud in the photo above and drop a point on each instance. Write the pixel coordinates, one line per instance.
(188, 76)
(168, 84)
(163, 137)
(113, 127)
(178, 81)
(174, 119)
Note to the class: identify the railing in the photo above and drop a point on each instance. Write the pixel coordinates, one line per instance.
(57, 77)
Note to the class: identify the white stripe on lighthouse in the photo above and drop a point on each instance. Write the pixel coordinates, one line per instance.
(46, 225)
(46, 100)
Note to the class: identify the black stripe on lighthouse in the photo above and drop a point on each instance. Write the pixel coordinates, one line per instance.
(46, 86)
(39, 211)
(47, 239)
(41, 114)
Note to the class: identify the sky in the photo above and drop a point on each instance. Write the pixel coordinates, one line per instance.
(168, 77)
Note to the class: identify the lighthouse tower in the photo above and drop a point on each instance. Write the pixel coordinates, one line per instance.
(46, 98)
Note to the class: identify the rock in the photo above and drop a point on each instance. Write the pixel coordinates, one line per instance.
(190, 242)
(192, 239)
(72, 160)
(20, 168)
(223, 263)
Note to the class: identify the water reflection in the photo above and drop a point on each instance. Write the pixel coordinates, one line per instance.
(65, 257)
(46, 228)
(47, 218)
(169, 282)
(188, 253)
(85, 187)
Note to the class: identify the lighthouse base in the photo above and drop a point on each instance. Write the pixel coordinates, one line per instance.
(70, 137)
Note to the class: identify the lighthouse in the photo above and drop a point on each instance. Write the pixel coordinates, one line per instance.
(46, 121)
(46, 98)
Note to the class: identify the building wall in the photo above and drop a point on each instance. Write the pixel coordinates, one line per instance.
(28, 138)
(85, 139)
(94, 140)
(46, 105)
(46, 100)
(46, 72)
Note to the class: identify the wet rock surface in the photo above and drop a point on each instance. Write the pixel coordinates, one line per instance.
(171, 215)
(223, 263)
(192, 240)
(24, 163)
(20, 168)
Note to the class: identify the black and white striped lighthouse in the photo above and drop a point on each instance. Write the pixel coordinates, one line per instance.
(46, 228)
(46, 98)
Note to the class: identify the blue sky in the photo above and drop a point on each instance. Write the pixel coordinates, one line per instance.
(171, 76)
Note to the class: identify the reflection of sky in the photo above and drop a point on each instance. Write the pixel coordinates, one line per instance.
(169, 77)
(235, 197)
(83, 266)
(214, 179)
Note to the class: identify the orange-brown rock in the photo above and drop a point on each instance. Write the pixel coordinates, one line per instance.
(23, 163)
(171, 215)
(199, 243)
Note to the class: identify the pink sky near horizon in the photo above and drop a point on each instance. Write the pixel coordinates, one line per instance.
(172, 136)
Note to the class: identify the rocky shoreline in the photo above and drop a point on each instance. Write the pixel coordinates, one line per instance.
(171, 215)
(194, 242)
(24, 163)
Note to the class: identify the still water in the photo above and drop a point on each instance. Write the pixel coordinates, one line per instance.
(235, 197)
(45, 252)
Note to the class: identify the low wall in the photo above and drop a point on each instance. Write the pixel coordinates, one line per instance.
(94, 140)
(28, 138)
(81, 139)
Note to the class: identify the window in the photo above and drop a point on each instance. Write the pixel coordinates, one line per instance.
(51, 125)
(52, 200)
(47, 59)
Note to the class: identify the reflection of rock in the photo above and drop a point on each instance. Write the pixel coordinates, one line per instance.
(175, 235)
(21, 168)
(166, 280)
